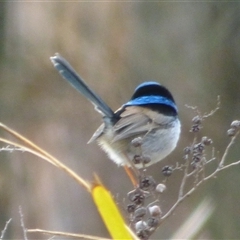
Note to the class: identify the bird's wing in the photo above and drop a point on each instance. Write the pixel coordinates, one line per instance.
(97, 133)
(137, 120)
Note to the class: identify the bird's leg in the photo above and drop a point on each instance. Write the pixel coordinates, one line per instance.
(132, 172)
(131, 175)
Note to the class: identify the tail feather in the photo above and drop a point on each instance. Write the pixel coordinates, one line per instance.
(68, 73)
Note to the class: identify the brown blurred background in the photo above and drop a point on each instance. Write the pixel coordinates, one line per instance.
(192, 48)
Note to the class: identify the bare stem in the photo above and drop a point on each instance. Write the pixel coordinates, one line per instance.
(220, 167)
(227, 150)
(66, 234)
(5, 228)
(43, 154)
(22, 224)
(24, 149)
(183, 182)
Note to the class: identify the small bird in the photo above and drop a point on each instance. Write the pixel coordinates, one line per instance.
(142, 131)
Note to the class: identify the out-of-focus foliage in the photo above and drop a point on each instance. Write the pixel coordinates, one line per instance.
(192, 48)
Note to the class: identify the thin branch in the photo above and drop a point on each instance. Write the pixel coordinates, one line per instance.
(229, 165)
(221, 169)
(184, 179)
(170, 211)
(26, 141)
(206, 115)
(10, 149)
(65, 234)
(22, 224)
(5, 228)
(227, 150)
(24, 149)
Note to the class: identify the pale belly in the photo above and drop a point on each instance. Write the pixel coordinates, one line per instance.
(156, 145)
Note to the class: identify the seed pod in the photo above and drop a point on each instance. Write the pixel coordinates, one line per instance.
(235, 124)
(161, 188)
(140, 225)
(146, 160)
(206, 141)
(231, 132)
(155, 211)
(140, 212)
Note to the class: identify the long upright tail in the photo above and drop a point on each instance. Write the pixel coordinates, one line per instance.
(68, 73)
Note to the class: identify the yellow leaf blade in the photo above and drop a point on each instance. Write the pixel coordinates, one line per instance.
(110, 213)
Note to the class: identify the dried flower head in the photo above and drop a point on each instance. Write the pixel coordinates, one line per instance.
(131, 207)
(136, 196)
(167, 170)
(195, 128)
(197, 120)
(206, 141)
(147, 183)
(187, 150)
(196, 158)
(198, 148)
(137, 159)
(153, 222)
(143, 234)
